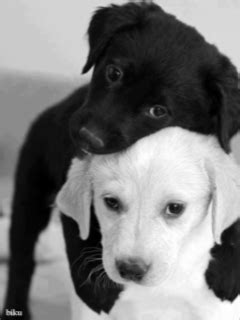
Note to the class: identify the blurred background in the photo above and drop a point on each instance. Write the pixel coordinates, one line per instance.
(43, 47)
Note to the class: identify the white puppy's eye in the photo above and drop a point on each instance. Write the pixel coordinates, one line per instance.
(174, 209)
(112, 203)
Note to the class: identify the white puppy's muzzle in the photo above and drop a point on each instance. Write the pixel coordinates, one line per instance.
(133, 269)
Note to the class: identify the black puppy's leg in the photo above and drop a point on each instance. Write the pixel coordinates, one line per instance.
(30, 215)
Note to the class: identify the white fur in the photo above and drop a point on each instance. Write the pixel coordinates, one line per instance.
(75, 196)
(171, 165)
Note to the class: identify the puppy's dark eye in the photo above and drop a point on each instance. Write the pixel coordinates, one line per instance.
(174, 209)
(157, 111)
(113, 73)
(112, 203)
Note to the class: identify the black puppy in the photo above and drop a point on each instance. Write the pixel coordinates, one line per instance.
(150, 71)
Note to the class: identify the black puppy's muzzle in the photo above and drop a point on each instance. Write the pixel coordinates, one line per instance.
(93, 135)
(90, 140)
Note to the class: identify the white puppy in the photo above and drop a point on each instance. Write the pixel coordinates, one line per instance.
(161, 206)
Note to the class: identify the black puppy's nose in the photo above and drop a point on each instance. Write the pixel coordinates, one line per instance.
(90, 139)
(132, 269)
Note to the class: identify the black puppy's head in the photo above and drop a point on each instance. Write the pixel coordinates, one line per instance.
(152, 71)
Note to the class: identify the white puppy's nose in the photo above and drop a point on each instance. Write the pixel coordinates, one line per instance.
(133, 269)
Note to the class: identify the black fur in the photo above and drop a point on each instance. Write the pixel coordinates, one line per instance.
(223, 273)
(98, 297)
(165, 62)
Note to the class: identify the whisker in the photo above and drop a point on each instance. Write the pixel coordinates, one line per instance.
(94, 270)
(91, 255)
(98, 281)
(87, 261)
(86, 251)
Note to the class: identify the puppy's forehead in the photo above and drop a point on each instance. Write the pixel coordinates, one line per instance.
(172, 152)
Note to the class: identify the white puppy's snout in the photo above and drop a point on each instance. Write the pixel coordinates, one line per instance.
(133, 269)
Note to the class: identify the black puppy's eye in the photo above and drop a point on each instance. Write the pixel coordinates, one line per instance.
(157, 111)
(174, 209)
(112, 203)
(113, 73)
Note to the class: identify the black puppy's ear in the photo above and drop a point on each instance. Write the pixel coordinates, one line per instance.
(107, 21)
(222, 83)
(223, 119)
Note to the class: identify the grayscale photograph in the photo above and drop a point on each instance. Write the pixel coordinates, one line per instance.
(120, 160)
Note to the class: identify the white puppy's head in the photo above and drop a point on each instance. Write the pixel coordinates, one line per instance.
(156, 203)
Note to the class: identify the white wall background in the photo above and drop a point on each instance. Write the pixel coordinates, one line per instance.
(49, 35)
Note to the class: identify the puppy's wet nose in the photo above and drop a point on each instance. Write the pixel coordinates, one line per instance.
(90, 139)
(132, 269)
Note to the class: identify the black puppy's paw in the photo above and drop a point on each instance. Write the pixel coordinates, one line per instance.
(223, 273)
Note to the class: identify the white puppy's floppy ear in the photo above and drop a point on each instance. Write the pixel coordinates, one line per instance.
(74, 199)
(224, 174)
